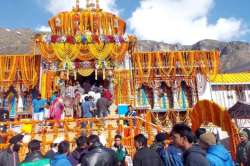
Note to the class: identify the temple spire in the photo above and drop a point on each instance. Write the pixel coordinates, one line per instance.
(97, 4)
(77, 5)
(94, 4)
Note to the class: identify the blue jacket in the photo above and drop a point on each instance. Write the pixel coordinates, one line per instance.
(217, 155)
(60, 160)
(172, 156)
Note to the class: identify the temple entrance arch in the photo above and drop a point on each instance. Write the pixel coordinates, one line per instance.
(206, 111)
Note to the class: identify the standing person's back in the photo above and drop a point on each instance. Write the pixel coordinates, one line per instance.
(102, 106)
(61, 158)
(145, 156)
(9, 156)
(98, 155)
(217, 154)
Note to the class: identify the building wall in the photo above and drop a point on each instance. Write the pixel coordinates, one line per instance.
(226, 95)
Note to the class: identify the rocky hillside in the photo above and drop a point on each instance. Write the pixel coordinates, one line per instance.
(235, 56)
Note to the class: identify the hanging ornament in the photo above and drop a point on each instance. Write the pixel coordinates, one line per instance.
(96, 68)
(67, 74)
(75, 76)
(78, 38)
(103, 73)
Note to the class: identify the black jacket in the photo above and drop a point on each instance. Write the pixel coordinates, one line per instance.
(34, 156)
(147, 157)
(76, 156)
(98, 155)
(8, 158)
(195, 156)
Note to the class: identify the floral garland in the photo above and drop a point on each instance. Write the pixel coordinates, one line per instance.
(23, 63)
(66, 52)
(85, 72)
(167, 63)
(84, 39)
(102, 51)
(96, 21)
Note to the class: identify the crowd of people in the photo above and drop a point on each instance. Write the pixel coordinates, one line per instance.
(70, 100)
(180, 147)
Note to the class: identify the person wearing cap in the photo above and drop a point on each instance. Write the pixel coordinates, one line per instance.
(243, 149)
(217, 154)
(9, 156)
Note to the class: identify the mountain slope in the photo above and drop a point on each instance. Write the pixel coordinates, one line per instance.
(235, 56)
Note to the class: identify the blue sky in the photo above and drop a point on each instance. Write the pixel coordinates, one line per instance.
(235, 23)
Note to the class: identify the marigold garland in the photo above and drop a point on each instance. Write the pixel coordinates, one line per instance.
(85, 72)
(95, 21)
(11, 64)
(167, 63)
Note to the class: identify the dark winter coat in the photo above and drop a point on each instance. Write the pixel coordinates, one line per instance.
(242, 153)
(76, 155)
(8, 158)
(195, 156)
(147, 157)
(98, 155)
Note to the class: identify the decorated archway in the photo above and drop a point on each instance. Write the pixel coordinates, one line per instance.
(208, 111)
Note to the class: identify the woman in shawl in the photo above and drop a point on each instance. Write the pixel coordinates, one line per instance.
(56, 109)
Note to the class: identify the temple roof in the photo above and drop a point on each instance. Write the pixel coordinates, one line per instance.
(231, 78)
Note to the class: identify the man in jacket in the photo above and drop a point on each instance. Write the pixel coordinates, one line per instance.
(9, 156)
(61, 157)
(243, 149)
(98, 154)
(144, 156)
(217, 155)
(102, 106)
(34, 151)
(183, 138)
(35, 157)
(79, 152)
(120, 151)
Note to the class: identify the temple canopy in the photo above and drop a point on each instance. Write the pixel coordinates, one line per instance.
(85, 34)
